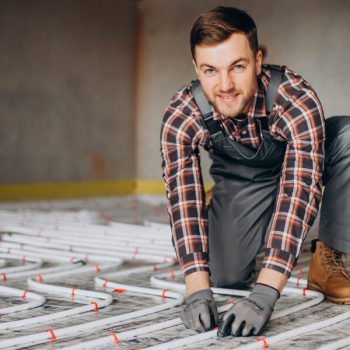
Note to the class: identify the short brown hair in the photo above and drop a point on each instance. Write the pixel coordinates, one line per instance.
(218, 24)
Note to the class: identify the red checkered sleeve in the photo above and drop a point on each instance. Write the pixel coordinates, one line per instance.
(298, 119)
(181, 134)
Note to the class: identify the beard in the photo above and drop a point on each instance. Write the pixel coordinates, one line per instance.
(232, 103)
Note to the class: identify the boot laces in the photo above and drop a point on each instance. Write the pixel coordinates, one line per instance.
(333, 261)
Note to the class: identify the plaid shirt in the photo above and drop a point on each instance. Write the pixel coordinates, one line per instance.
(297, 119)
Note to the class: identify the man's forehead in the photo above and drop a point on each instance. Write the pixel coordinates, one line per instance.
(225, 53)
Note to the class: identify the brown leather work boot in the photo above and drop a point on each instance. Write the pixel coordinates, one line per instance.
(327, 273)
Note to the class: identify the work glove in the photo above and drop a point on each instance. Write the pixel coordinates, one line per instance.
(200, 313)
(249, 315)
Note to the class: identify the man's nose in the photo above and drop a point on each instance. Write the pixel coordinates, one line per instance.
(226, 82)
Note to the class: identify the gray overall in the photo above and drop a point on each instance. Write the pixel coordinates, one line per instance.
(246, 186)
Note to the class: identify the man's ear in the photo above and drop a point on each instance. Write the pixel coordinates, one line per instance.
(195, 67)
(258, 60)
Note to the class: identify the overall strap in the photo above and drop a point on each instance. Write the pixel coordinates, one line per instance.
(271, 94)
(205, 109)
(274, 83)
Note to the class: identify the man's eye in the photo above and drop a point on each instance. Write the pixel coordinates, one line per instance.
(238, 67)
(209, 71)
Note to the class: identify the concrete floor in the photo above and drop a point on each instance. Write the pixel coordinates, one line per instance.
(137, 210)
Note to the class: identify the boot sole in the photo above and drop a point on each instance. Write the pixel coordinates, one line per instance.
(315, 287)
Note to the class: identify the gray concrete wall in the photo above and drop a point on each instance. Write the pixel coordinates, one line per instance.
(67, 90)
(84, 83)
(311, 37)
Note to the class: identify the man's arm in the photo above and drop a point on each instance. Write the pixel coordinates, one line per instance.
(197, 281)
(302, 126)
(180, 136)
(272, 278)
(187, 209)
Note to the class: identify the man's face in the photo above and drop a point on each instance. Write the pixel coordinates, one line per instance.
(227, 72)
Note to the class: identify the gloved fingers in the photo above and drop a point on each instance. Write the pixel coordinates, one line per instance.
(196, 321)
(225, 324)
(247, 330)
(206, 321)
(258, 328)
(187, 320)
(205, 317)
(237, 326)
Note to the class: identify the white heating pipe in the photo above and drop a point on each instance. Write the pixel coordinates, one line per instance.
(135, 231)
(60, 255)
(87, 232)
(81, 244)
(108, 339)
(46, 270)
(256, 345)
(96, 241)
(128, 230)
(42, 337)
(298, 331)
(335, 345)
(70, 270)
(31, 300)
(34, 263)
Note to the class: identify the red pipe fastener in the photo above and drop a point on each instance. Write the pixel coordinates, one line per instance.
(115, 338)
(265, 345)
(163, 293)
(97, 268)
(4, 276)
(52, 334)
(39, 278)
(304, 292)
(301, 272)
(119, 290)
(73, 293)
(105, 284)
(95, 306)
(24, 295)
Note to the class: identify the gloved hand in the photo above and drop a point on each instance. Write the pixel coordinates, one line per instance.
(200, 313)
(249, 315)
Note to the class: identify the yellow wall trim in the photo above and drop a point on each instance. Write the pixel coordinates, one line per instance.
(16, 192)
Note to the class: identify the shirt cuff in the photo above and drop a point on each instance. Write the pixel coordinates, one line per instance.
(279, 260)
(194, 262)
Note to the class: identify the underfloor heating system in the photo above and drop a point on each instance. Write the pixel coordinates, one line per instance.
(102, 274)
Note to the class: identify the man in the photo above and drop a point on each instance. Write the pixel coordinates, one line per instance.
(265, 131)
